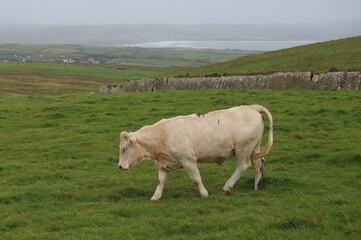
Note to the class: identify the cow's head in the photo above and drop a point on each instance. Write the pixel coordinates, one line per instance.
(131, 152)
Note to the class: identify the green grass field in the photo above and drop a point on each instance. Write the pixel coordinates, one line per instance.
(59, 175)
(94, 71)
(338, 55)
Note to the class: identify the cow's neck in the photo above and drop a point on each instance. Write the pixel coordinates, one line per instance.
(152, 139)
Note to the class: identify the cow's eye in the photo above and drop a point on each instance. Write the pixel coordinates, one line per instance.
(124, 150)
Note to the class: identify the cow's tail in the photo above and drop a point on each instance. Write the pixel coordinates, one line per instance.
(267, 148)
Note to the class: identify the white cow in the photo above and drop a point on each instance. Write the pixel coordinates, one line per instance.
(182, 141)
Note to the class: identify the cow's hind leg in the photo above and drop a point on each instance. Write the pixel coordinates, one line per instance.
(162, 177)
(258, 172)
(195, 176)
(243, 163)
(258, 168)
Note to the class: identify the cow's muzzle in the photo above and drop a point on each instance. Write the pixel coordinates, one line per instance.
(122, 168)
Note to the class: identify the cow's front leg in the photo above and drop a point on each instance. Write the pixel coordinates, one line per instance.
(195, 176)
(162, 177)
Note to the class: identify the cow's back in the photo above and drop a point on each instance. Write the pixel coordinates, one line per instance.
(212, 137)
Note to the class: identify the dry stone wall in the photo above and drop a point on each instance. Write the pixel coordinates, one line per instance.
(277, 81)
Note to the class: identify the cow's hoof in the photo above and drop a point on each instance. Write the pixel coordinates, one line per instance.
(203, 195)
(155, 198)
(225, 192)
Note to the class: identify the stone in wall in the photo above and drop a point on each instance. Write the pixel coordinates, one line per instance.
(256, 82)
(329, 81)
(142, 85)
(285, 81)
(107, 89)
(353, 81)
(187, 83)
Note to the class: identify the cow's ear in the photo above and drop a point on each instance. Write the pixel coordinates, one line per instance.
(124, 135)
(132, 139)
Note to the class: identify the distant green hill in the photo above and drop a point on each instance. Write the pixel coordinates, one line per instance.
(338, 55)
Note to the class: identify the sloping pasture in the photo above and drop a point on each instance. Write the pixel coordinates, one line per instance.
(59, 175)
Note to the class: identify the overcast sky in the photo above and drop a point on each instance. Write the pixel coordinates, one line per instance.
(102, 12)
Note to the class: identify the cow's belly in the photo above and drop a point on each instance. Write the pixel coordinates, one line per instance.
(172, 166)
(216, 156)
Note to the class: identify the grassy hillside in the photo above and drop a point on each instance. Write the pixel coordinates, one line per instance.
(59, 175)
(338, 55)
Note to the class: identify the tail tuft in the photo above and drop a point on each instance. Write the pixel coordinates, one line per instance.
(268, 147)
